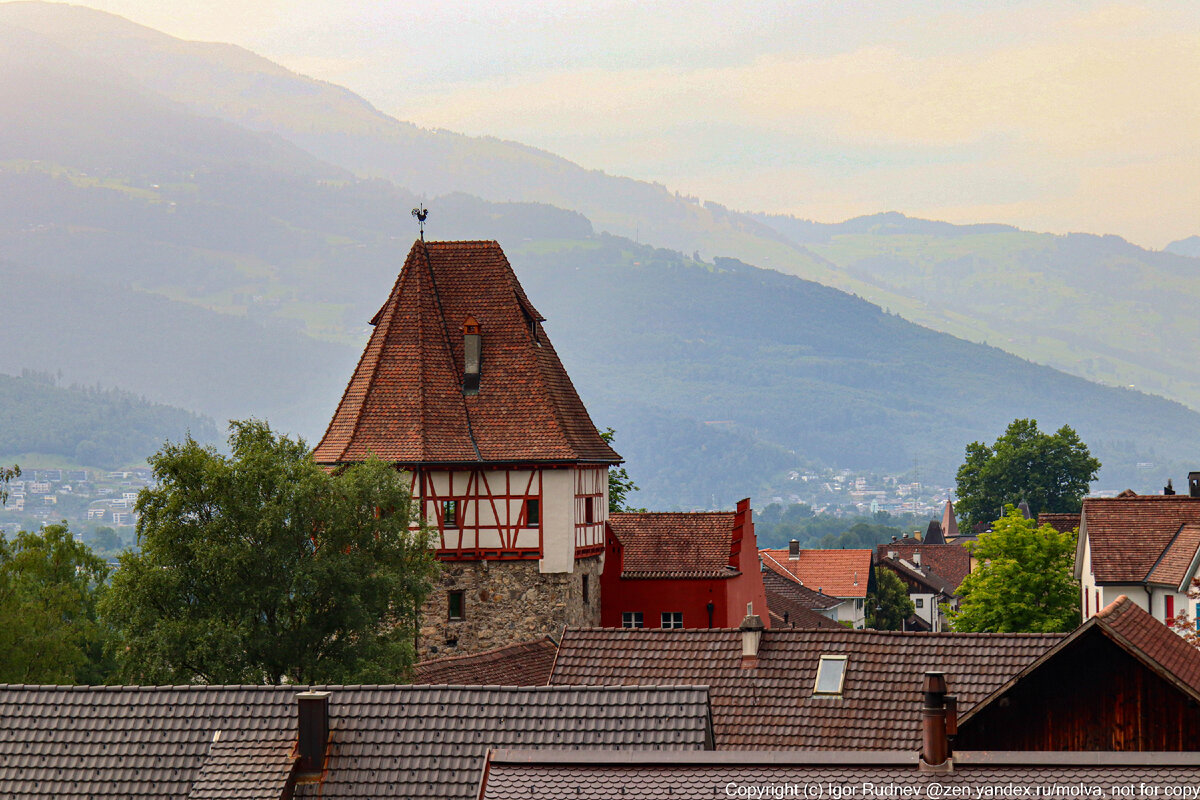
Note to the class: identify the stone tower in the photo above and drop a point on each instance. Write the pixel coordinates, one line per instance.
(460, 388)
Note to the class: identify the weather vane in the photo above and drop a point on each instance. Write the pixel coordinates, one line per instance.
(421, 212)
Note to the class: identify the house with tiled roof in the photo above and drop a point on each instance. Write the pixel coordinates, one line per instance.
(792, 689)
(681, 570)
(1134, 685)
(333, 742)
(520, 664)
(1145, 547)
(460, 387)
(931, 572)
(791, 605)
(845, 574)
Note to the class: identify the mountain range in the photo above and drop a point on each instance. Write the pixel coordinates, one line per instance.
(195, 224)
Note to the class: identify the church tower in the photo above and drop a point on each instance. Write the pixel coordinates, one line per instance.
(460, 387)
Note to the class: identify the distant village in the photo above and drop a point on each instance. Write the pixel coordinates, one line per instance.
(570, 651)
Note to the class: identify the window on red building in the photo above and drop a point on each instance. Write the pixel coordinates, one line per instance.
(672, 619)
(631, 619)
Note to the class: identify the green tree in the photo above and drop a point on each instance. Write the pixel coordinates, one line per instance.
(262, 567)
(1050, 472)
(620, 485)
(1024, 581)
(49, 586)
(6, 475)
(889, 605)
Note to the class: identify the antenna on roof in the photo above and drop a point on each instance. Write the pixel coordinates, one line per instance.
(421, 212)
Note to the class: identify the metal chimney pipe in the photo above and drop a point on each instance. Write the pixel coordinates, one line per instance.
(313, 709)
(935, 749)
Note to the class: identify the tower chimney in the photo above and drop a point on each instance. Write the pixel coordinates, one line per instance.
(793, 550)
(1194, 484)
(313, 710)
(935, 747)
(752, 631)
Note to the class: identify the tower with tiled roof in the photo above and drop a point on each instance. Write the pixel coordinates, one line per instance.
(460, 387)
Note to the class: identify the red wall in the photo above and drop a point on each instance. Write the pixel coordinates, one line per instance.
(654, 596)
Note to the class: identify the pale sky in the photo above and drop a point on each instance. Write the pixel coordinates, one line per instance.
(1051, 115)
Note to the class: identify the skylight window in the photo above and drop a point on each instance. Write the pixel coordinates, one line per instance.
(831, 674)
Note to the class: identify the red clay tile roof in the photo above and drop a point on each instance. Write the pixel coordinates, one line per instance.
(1128, 535)
(951, 561)
(1174, 566)
(923, 576)
(1152, 641)
(600, 775)
(1061, 522)
(675, 545)
(405, 401)
(788, 598)
(521, 664)
(772, 706)
(386, 742)
(838, 573)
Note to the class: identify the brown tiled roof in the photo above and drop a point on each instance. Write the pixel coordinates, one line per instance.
(521, 664)
(385, 742)
(244, 770)
(951, 561)
(772, 706)
(786, 598)
(597, 775)
(1128, 535)
(839, 573)
(927, 578)
(1061, 522)
(675, 545)
(1174, 565)
(405, 401)
(1141, 635)
(1152, 641)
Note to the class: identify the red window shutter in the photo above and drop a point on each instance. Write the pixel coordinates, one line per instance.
(1170, 608)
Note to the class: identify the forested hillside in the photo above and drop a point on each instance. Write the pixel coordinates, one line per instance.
(92, 427)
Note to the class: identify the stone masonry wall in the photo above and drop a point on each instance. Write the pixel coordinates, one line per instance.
(505, 602)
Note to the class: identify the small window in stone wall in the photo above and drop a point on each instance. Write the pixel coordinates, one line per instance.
(585, 589)
(456, 605)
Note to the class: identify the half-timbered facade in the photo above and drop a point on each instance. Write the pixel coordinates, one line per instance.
(460, 387)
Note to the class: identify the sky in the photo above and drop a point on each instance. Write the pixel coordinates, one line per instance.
(1051, 115)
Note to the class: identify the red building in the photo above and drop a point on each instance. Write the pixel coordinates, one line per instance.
(681, 570)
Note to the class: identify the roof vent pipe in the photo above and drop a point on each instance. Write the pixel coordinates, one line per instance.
(793, 550)
(935, 747)
(314, 731)
(1168, 489)
(752, 631)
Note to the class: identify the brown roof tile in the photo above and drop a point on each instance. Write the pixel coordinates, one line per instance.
(1152, 641)
(405, 402)
(598, 775)
(521, 664)
(1128, 535)
(1061, 522)
(788, 600)
(838, 573)
(773, 706)
(244, 770)
(675, 545)
(951, 561)
(385, 741)
(922, 576)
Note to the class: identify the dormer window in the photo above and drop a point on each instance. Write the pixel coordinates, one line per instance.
(472, 355)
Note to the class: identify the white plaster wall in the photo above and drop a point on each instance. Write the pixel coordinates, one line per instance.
(558, 521)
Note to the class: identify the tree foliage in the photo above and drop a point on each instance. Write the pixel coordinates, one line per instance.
(1050, 472)
(889, 605)
(262, 567)
(620, 485)
(6, 475)
(1024, 580)
(49, 586)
